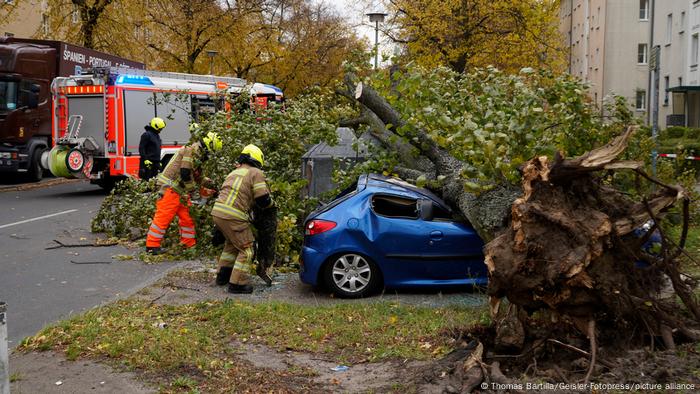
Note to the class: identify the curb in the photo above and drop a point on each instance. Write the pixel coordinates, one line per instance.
(37, 185)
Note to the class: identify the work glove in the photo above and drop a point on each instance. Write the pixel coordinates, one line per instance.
(148, 163)
(207, 193)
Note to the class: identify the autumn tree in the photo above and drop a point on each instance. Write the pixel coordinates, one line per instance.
(464, 34)
(313, 45)
(291, 43)
(9, 9)
(80, 21)
(180, 32)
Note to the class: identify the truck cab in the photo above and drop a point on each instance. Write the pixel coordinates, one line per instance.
(26, 71)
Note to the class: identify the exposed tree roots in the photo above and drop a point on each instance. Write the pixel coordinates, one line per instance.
(565, 248)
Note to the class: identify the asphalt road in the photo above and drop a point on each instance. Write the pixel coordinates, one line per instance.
(42, 286)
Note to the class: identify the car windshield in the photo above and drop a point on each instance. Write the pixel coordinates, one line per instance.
(8, 95)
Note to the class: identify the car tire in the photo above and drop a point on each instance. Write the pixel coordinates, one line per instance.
(351, 275)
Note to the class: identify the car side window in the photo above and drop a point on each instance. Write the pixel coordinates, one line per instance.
(432, 212)
(441, 215)
(394, 206)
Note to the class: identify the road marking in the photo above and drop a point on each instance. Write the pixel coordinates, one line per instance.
(38, 218)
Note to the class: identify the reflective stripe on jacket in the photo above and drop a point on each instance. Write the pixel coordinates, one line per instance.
(238, 193)
(170, 177)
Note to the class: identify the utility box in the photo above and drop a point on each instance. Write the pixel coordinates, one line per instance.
(319, 161)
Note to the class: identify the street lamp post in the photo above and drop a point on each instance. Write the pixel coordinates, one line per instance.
(4, 358)
(376, 17)
(211, 55)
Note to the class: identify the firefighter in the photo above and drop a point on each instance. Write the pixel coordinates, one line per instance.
(149, 149)
(178, 182)
(242, 188)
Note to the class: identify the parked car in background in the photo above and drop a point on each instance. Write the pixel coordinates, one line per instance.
(385, 232)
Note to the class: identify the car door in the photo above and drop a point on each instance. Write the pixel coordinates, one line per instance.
(397, 237)
(452, 249)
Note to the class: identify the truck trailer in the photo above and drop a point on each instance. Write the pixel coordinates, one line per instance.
(27, 69)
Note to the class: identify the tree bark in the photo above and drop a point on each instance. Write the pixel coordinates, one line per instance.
(488, 212)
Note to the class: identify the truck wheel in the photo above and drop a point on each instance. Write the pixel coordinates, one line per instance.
(35, 172)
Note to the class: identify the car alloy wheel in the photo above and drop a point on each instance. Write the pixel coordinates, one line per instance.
(352, 275)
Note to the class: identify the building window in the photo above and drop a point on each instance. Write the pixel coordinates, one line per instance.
(75, 15)
(640, 102)
(667, 80)
(669, 29)
(642, 54)
(8, 34)
(45, 24)
(694, 50)
(681, 28)
(643, 10)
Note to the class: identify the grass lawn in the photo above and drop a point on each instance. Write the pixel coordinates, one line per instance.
(691, 258)
(193, 346)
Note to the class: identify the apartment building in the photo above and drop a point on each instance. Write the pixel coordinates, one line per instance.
(26, 19)
(677, 32)
(609, 47)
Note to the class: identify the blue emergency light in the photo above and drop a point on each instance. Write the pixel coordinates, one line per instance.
(277, 90)
(134, 80)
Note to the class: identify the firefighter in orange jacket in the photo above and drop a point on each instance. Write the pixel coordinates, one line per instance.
(177, 182)
(242, 188)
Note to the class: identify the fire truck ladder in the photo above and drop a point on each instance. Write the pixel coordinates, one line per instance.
(74, 123)
(207, 79)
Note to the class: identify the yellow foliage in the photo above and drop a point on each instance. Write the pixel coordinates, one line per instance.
(477, 33)
(289, 43)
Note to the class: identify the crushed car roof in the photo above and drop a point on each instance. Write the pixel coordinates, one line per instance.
(382, 181)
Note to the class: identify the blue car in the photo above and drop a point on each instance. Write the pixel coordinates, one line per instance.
(385, 232)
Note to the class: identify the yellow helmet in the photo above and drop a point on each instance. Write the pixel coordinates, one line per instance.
(255, 153)
(213, 142)
(194, 126)
(157, 124)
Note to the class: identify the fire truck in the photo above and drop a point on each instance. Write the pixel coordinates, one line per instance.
(98, 117)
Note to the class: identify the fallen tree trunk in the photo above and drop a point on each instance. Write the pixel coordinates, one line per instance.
(563, 242)
(488, 211)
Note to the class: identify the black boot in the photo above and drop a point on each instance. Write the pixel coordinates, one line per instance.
(154, 250)
(223, 276)
(240, 289)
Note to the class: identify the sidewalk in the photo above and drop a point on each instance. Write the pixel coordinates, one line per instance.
(48, 372)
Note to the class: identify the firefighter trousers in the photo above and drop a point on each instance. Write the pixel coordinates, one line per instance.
(167, 207)
(238, 249)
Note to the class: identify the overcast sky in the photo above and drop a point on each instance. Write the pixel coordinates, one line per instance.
(355, 11)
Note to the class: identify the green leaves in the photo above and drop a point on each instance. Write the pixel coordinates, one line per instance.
(494, 121)
(284, 136)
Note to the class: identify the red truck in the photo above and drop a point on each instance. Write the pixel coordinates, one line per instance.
(27, 68)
